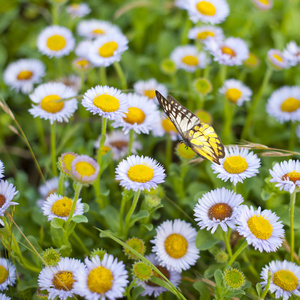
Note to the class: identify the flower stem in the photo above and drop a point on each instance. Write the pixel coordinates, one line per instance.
(131, 139)
(77, 193)
(264, 294)
(228, 117)
(41, 135)
(61, 184)
(292, 210)
(53, 150)
(237, 252)
(132, 208)
(168, 151)
(226, 237)
(249, 119)
(293, 135)
(121, 75)
(223, 74)
(123, 203)
(102, 74)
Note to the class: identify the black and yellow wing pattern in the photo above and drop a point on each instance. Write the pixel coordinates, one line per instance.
(199, 136)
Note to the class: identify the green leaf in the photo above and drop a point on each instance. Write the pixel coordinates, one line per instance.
(148, 226)
(210, 271)
(57, 223)
(283, 212)
(258, 289)
(205, 240)
(136, 292)
(105, 160)
(24, 285)
(202, 288)
(140, 215)
(56, 235)
(86, 207)
(231, 294)
(218, 277)
(80, 219)
(37, 247)
(160, 282)
(111, 215)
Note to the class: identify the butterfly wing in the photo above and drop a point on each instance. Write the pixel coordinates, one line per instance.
(201, 137)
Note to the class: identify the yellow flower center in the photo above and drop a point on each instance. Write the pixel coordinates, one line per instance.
(3, 274)
(98, 31)
(105, 150)
(62, 207)
(204, 116)
(56, 42)
(219, 211)
(135, 115)
(162, 270)
(108, 49)
(140, 173)
(150, 93)
(265, 2)
(100, 280)
(50, 104)
(227, 50)
(176, 245)
(82, 63)
(260, 227)
(235, 164)
(278, 57)
(204, 35)
(206, 8)
(168, 125)
(24, 75)
(66, 162)
(233, 94)
(252, 60)
(2, 200)
(190, 60)
(63, 280)
(290, 104)
(84, 168)
(185, 152)
(75, 6)
(286, 280)
(106, 103)
(292, 176)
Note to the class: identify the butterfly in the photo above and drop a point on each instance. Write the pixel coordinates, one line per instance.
(199, 136)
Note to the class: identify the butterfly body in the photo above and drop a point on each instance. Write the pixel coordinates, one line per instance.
(199, 136)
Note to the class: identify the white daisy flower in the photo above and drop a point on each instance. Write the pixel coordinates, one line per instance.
(292, 53)
(1, 169)
(277, 59)
(174, 245)
(284, 104)
(235, 91)
(286, 175)
(203, 33)
(183, 4)
(285, 278)
(165, 126)
(22, 74)
(106, 101)
(189, 58)
(263, 4)
(208, 11)
(261, 229)
(83, 48)
(78, 10)
(55, 41)
(148, 87)
(106, 278)
(82, 64)
(237, 165)
(232, 51)
(118, 142)
(48, 107)
(7, 193)
(8, 274)
(48, 188)
(217, 208)
(59, 281)
(108, 49)
(154, 289)
(141, 117)
(3, 297)
(139, 173)
(96, 28)
(57, 206)
(84, 169)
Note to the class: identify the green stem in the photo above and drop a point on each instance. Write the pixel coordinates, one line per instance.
(247, 26)
(206, 71)
(237, 252)
(77, 193)
(102, 73)
(248, 122)
(80, 243)
(121, 75)
(293, 135)
(292, 210)
(41, 134)
(226, 237)
(131, 139)
(53, 150)
(250, 265)
(184, 34)
(61, 184)
(228, 118)
(223, 74)
(55, 13)
(264, 294)
(125, 198)
(131, 210)
(168, 151)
